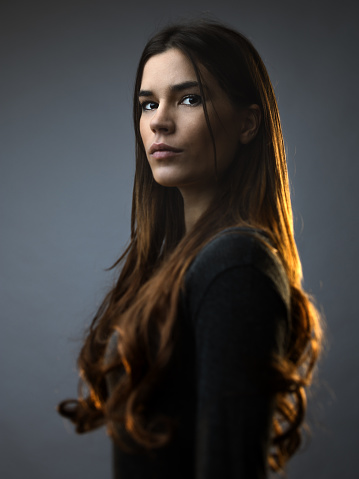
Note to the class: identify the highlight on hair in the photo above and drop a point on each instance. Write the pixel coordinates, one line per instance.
(142, 306)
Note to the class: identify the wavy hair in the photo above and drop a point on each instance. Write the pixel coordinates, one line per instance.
(142, 306)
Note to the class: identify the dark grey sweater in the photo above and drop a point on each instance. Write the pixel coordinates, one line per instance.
(233, 316)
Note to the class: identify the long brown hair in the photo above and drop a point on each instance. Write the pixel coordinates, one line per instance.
(143, 304)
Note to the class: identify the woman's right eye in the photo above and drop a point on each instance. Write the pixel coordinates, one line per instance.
(149, 105)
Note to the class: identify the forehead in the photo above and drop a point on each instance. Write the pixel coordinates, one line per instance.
(169, 68)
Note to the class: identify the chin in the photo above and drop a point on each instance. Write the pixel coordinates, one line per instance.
(169, 181)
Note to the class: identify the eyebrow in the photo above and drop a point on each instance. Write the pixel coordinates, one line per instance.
(174, 88)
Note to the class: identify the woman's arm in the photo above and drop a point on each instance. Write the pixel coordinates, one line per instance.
(239, 324)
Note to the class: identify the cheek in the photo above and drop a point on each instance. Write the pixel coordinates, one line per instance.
(144, 126)
(142, 130)
(198, 135)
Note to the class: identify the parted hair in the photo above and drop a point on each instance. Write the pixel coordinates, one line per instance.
(143, 304)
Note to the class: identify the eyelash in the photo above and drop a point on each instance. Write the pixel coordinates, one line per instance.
(191, 96)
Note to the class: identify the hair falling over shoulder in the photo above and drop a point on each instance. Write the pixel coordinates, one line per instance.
(142, 306)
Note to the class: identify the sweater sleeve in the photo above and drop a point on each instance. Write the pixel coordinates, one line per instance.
(240, 322)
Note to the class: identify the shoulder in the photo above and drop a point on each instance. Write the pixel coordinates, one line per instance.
(243, 250)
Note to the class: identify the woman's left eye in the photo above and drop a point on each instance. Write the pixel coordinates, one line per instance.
(192, 100)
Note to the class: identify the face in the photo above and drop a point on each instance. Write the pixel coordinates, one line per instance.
(173, 126)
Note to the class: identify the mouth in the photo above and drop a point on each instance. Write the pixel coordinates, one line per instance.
(161, 150)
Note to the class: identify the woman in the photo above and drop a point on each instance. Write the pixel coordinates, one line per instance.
(198, 359)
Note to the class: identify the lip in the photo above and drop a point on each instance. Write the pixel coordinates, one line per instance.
(161, 150)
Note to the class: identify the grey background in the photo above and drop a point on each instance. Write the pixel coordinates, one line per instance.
(67, 162)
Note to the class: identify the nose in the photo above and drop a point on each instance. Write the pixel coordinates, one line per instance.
(162, 120)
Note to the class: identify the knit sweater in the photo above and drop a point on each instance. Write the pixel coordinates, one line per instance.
(233, 316)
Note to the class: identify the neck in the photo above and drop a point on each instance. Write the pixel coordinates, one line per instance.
(195, 204)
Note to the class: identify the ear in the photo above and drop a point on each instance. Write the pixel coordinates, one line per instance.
(251, 120)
